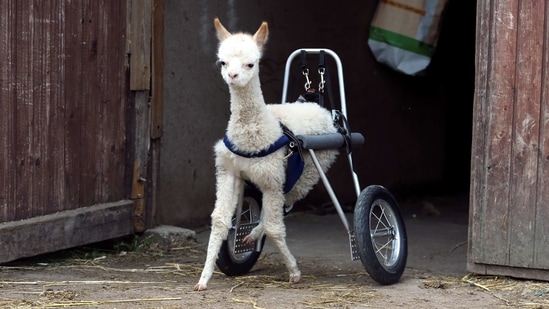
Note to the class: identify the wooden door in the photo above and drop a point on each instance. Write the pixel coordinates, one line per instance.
(72, 134)
(509, 221)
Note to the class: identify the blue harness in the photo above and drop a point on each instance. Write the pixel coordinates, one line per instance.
(295, 165)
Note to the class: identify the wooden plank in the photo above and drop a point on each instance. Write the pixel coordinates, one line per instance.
(526, 128)
(516, 272)
(153, 184)
(500, 79)
(65, 229)
(24, 148)
(141, 141)
(138, 196)
(112, 99)
(73, 80)
(140, 48)
(149, 204)
(7, 97)
(56, 185)
(509, 227)
(140, 34)
(91, 134)
(96, 102)
(542, 206)
(477, 200)
(36, 99)
(157, 68)
(46, 98)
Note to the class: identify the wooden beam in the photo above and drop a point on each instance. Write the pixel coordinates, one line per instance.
(515, 272)
(140, 44)
(39, 235)
(157, 68)
(144, 111)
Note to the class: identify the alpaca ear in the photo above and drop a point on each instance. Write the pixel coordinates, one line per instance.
(260, 37)
(222, 33)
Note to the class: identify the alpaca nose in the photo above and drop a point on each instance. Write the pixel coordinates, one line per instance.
(233, 75)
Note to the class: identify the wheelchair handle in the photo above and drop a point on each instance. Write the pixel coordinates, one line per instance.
(329, 141)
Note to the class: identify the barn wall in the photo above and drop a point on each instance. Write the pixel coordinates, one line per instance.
(509, 220)
(406, 120)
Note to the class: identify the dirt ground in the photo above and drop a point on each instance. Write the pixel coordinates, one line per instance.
(139, 274)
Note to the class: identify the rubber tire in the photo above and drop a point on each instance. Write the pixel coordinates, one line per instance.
(372, 198)
(227, 262)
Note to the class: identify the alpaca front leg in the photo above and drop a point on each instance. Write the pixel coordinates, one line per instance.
(256, 233)
(273, 225)
(225, 205)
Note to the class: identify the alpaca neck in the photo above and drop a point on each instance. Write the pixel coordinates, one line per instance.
(251, 125)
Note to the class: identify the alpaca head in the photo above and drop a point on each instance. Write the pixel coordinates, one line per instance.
(239, 54)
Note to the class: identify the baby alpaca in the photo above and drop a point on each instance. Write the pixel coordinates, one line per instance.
(253, 127)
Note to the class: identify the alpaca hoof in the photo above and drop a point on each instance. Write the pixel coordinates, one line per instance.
(248, 240)
(295, 278)
(200, 287)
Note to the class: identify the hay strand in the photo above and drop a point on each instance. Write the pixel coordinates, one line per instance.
(104, 302)
(496, 286)
(251, 302)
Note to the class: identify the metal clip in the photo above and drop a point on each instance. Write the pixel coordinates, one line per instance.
(321, 71)
(308, 82)
(289, 154)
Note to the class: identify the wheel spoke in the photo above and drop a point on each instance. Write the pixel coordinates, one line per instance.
(384, 250)
(383, 233)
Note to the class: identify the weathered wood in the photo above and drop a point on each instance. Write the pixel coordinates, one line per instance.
(499, 100)
(64, 101)
(140, 44)
(148, 205)
(509, 215)
(139, 37)
(7, 95)
(525, 146)
(138, 196)
(74, 111)
(141, 140)
(517, 272)
(25, 150)
(157, 68)
(63, 120)
(477, 199)
(541, 241)
(65, 229)
(53, 91)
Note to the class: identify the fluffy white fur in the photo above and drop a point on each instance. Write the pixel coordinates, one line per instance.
(254, 126)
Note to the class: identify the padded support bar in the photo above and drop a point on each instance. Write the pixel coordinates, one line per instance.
(329, 141)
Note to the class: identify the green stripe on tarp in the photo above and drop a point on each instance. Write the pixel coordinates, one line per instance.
(401, 41)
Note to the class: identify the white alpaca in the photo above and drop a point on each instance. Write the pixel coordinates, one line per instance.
(253, 127)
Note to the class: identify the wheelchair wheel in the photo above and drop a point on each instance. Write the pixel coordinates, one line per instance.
(235, 264)
(380, 234)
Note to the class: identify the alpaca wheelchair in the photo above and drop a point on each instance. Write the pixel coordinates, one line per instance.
(377, 234)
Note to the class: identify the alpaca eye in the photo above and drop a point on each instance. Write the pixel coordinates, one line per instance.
(251, 65)
(222, 63)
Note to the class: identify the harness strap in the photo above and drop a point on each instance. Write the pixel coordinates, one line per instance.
(282, 141)
(295, 164)
(295, 143)
(323, 66)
